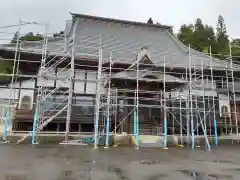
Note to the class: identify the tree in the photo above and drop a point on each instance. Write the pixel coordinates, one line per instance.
(15, 37)
(150, 21)
(222, 37)
(28, 37)
(186, 34)
(221, 27)
(199, 39)
(236, 50)
(198, 25)
(199, 36)
(6, 66)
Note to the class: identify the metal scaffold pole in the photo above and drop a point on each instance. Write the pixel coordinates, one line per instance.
(190, 97)
(213, 99)
(116, 112)
(109, 101)
(229, 101)
(137, 107)
(203, 99)
(39, 93)
(97, 100)
(165, 105)
(9, 112)
(203, 120)
(181, 123)
(233, 89)
(71, 82)
(187, 112)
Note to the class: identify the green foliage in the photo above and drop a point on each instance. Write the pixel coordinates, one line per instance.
(202, 36)
(150, 21)
(236, 49)
(6, 67)
(28, 37)
(198, 35)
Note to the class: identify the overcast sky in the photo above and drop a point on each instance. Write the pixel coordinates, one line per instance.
(168, 12)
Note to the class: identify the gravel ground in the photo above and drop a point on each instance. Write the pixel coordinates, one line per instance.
(120, 163)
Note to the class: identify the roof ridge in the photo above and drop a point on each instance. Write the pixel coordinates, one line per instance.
(121, 21)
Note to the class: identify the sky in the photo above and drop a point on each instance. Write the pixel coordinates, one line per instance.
(167, 12)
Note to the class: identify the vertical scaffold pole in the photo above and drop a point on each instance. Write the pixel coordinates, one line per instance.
(164, 104)
(233, 89)
(71, 83)
(215, 132)
(196, 109)
(213, 88)
(190, 97)
(203, 120)
(135, 119)
(116, 110)
(137, 107)
(109, 101)
(5, 121)
(12, 78)
(39, 91)
(161, 111)
(229, 101)
(135, 116)
(34, 131)
(187, 112)
(181, 123)
(97, 101)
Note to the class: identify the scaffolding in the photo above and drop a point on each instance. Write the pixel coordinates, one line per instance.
(189, 111)
(201, 111)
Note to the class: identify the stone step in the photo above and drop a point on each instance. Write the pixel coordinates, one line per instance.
(150, 145)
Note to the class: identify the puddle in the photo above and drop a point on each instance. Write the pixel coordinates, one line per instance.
(221, 176)
(157, 177)
(204, 176)
(15, 177)
(120, 174)
(118, 171)
(67, 175)
(220, 161)
(195, 175)
(150, 162)
(237, 169)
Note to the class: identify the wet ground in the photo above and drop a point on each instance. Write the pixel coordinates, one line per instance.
(73, 163)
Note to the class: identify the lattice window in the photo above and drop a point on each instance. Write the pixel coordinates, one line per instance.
(224, 110)
(26, 102)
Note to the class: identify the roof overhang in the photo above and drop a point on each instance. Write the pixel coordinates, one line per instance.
(121, 21)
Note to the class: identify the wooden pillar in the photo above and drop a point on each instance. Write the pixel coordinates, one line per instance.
(79, 128)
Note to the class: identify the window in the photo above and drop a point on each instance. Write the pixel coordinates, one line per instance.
(224, 110)
(26, 102)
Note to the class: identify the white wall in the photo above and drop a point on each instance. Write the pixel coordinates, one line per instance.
(41, 81)
(7, 92)
(79, 86)
(223, 101)
(91, 86)
(64, 74)
(25, 92)
(101, 87)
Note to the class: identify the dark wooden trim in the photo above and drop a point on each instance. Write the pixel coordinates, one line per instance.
(35, 93)
(19, 93)
(55, 81)
(85, 81)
